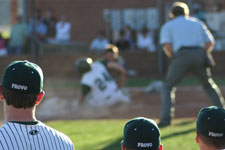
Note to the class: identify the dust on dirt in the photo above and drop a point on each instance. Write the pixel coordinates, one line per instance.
(64, 105)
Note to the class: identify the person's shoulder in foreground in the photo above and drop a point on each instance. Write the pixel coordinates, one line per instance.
(210, 128)
(141, 134)
(22, 90)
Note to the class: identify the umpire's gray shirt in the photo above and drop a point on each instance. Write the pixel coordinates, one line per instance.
(185, 31)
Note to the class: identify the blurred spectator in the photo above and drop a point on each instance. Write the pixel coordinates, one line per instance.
(48, 18)
(39, 29)
(211, 6)
(19, 34)
(50, 22)
(63, 28)
(100, 42)
(3, 50)
(198, 12)
(145, 41)
(128, 35)
(51, 34)
(122, 44)
(38, 14)
(126, 40)
(134, 37)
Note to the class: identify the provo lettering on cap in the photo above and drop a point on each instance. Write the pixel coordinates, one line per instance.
(19, 87)
(213, 134)
(139, 144)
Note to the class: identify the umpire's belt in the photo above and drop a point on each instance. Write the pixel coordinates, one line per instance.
(189, 48)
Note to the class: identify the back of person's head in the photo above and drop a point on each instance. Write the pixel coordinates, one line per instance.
(21, 83)
(210, 127)
(179, 9)
(141, 134)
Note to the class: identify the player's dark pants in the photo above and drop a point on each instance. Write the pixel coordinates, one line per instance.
(184, 61)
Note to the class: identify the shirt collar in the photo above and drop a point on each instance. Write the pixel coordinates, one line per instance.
(25, 122)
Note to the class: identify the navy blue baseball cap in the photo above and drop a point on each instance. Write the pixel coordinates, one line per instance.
(211, 122)
(141, 134)
(23, 77)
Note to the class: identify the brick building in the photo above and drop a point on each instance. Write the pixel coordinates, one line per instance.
(87, 16)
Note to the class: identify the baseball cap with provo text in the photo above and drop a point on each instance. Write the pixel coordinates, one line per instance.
(141, 134)
(23, 77)
(211, 122)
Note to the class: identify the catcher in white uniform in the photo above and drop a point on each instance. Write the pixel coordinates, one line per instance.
(97, 86)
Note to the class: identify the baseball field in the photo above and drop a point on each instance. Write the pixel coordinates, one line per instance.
(102, 128)
(106, 134)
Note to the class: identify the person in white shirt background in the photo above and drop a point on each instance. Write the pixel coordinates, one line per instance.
(145, 41)
(63, 28)
(99, 43)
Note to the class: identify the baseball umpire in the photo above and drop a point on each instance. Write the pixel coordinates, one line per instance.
(21, 91)
(188, 42)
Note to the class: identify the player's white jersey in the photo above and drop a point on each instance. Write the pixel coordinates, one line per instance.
(100, 81)
(103, 87)
(17, 136)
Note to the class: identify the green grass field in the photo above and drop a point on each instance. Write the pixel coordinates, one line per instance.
(132, 82)
(107, 134)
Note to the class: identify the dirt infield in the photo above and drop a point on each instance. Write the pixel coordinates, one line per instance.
(64, 105)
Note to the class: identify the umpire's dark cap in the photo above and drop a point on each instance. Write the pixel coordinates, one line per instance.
(179, 9)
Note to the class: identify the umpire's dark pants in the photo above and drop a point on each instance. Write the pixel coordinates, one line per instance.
(184, 61)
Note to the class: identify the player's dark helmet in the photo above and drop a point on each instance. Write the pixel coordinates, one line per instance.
(83, 64)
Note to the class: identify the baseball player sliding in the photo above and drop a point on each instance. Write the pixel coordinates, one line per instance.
(97, 86)
(21, 91)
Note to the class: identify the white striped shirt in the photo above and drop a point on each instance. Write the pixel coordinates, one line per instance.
(18, 136)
